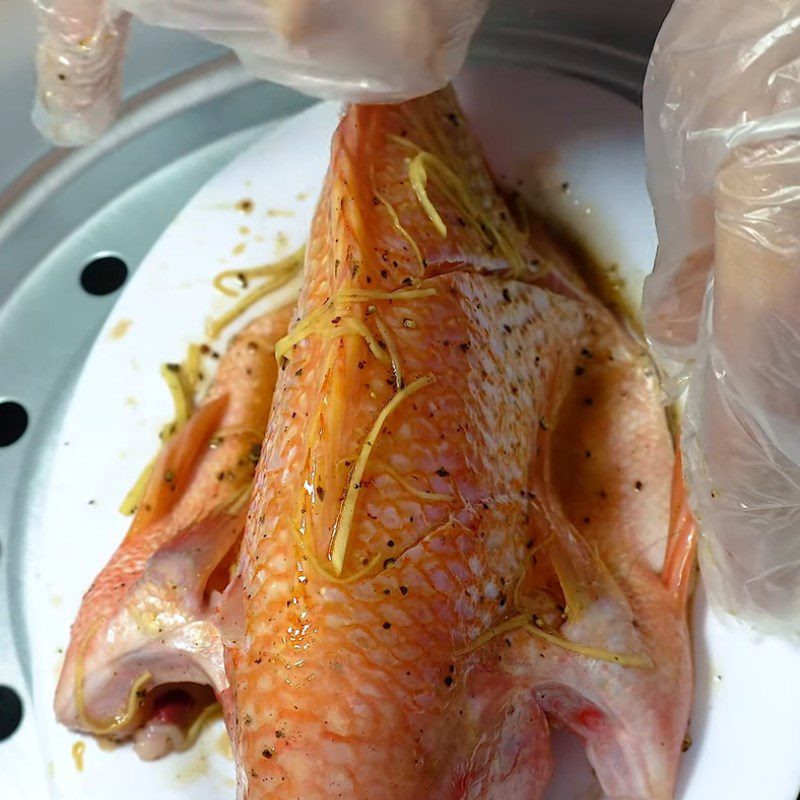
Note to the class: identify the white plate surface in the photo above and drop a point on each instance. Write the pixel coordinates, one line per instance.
(538, 128)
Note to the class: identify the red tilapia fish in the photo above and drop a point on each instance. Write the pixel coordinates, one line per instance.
(457, 534)
(145, 657)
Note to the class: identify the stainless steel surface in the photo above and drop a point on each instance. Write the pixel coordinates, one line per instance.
(118, 195)
(625, 25)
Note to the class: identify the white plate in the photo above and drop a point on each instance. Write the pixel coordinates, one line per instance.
(539, 128)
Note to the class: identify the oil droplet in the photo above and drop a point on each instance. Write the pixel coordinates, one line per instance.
(120, 329)
(223, 746)
(245, 206)
(239, 249)
(244, 230)
(279, 212)
(78, 749)
(196, 768)
(107, 745)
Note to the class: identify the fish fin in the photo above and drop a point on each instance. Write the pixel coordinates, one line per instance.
(512, 755)
(191, 557)
(679, 559)
(172, 470)
(582, 574)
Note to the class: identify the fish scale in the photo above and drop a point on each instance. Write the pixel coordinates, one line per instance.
(412, 482)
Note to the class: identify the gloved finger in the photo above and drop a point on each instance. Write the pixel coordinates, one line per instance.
(757, 285)
(723, 73)
(357, 50)
(79, 69)
(354, 50)
(742, 428)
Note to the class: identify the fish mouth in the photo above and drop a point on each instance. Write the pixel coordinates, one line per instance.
(158, 693)
(171, 718)
(151, 672)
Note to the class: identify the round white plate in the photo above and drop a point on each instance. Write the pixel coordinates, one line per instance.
(546, 131)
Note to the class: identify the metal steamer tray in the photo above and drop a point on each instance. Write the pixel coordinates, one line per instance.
(81, 226)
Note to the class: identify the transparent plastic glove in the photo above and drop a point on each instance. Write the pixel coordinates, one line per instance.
(364, 50)
(722, 307)
(79, 70)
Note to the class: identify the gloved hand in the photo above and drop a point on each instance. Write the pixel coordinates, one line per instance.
(722, 307)
(365, 50)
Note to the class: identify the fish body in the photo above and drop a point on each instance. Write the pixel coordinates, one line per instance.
(461, 507)
(145, 655)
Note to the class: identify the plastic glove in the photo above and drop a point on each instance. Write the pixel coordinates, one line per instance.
(361, 50)
(722, 307)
